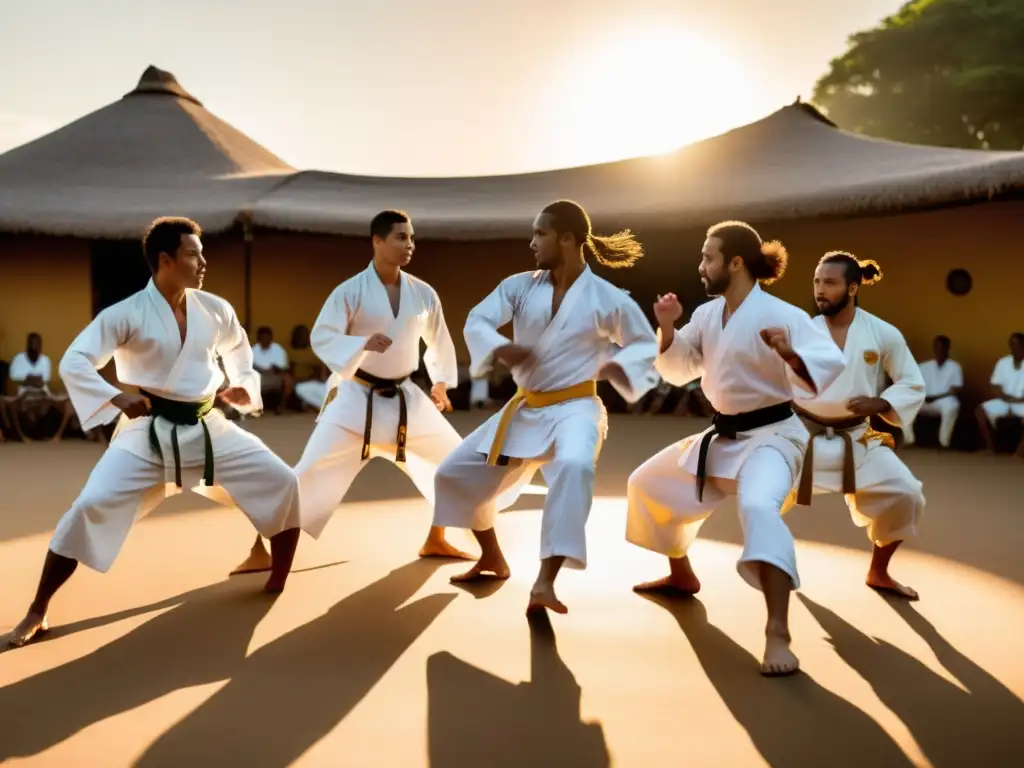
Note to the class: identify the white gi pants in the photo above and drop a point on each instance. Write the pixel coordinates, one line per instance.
(467, 489)
(312, 392)
(664, 515)
(123, 487)
(947, 409)
(997, 409)
(889, 500)
(332, 460)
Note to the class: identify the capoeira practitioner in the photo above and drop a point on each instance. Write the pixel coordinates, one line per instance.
(165, 340)
(845, 453)
(570, 329)
(755, 354)
(368, 334)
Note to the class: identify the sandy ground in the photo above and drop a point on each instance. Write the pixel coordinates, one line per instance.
(372, 658)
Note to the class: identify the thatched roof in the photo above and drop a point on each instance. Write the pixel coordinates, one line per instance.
(794, 163)
(158, 151)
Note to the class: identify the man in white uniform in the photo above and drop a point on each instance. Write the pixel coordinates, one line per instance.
(165, 340)
(1007, 394)
(755, 354)
(943, 380)
(570, 329)
(271, 361)
(368, 334)
(846, 455)
(32, 371)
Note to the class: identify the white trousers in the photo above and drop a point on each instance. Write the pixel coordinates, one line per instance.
(123, 487)
(312, 392)
(997, 409)
(889, 501)
(947, 409)
(332, 460)
(469, 492)
(664, 515)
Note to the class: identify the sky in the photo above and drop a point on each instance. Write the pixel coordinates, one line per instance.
(432, 87)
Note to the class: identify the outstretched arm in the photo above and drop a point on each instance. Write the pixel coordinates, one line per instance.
(906, 394)
(629, 330)
(813, 360)
(440, 360)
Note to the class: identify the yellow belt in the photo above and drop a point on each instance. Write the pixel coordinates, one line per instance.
(535, 400)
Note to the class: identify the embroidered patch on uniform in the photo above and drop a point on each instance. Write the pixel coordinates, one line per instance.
(870, 357)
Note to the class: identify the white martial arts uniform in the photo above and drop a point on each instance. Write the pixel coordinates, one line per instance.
(596, 323)
(739, 374)
(142, 336)
(888, 501)
(273, 356)
(357, 309)
(21, 368)
(1011, 379)
(312, 392)
(938, 380)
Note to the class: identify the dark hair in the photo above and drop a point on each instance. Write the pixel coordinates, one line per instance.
(619, 250)
(34, 335)
(1019, 336)
(164, 236)
(385, 220)
(943, 340)
(264, 329)
(865, 272)
(766, 262)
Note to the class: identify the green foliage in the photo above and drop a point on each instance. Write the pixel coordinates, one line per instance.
(942, 72)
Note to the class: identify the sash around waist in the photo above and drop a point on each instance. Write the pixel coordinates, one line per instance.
(385, 388)
(181, 413)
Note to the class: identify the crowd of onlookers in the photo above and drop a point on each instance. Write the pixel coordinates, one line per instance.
(294, 379)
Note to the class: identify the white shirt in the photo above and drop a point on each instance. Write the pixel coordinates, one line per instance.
(273, 356)
(939, 379)
(1010, 378)
(21, 368)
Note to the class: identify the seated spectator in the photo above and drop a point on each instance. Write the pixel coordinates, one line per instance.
(32, 371)
(308, 372)
(271, 361)
(943, 380)
(1007, 394)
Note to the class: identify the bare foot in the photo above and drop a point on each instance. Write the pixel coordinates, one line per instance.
(544, 598)
(32, 625)
(887, 585)
(441, 548)
(258, 560)
(275, 584)
(778, 658)
(490, 568)
(671, 585)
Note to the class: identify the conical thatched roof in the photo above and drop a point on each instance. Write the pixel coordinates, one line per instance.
(793, 163)
(157, 151)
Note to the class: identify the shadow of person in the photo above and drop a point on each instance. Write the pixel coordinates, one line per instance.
(791, 721)
(475, 718)
(202, 638)
(293, 691)
(953, 727)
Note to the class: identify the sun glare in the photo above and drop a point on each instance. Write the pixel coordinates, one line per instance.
(647, 90)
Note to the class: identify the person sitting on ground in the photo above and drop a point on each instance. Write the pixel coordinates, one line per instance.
(271, 361)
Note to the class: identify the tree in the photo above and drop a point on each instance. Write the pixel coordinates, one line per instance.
(941, 72)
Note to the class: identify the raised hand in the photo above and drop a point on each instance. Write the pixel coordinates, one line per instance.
(778, 339)
(668, 310)
(377, 343)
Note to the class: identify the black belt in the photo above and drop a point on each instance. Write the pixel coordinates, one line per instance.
(179, 413)
(385, 388)
(728, 427)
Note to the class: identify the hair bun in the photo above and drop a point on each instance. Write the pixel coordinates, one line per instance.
(777, 258)
(870, 272)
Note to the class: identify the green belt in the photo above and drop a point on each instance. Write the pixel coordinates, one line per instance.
(185, 414)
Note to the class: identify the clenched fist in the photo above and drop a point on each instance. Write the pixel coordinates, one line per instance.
(131, 404)
(377, 343)
(778, 339)
(668, 310)
(513, 354)
(439, 395)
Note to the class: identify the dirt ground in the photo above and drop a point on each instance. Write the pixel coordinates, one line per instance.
(371, 658)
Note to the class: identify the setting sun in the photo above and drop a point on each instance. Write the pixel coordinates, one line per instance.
(644, 90)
